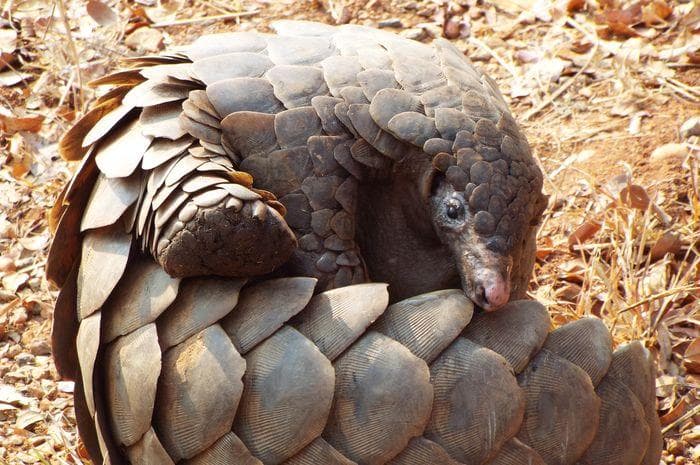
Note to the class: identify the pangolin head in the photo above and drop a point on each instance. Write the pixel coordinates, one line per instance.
(485, 199)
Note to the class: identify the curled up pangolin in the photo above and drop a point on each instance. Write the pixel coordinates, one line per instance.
(215, 246)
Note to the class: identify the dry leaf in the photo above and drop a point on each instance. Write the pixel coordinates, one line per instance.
(581, 46)
(584, 232)
(28, 418)
(569, 292)
(35, 243)
(674, 413)
(8, 40)
(13, 281)
(694, 57)
(691, 358)
(572, 271)
(12, 124)
(575, 5)
(101, 13)
(21, 165)
(628, 16)
(635, 196)
(11, 77)
(656, 12)
(668, 243)
(618, 28)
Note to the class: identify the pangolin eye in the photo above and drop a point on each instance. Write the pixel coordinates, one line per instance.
(455, 209)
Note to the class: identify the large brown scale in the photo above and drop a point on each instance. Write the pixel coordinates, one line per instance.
(215, 245)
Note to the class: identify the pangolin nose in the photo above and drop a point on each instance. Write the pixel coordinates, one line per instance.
(496, 294)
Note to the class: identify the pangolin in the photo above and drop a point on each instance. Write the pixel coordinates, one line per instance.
(215, 245)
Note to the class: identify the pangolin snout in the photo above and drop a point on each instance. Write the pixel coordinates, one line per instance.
(491, 290)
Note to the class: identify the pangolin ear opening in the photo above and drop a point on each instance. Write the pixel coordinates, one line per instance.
(426, 183)
(437, 169)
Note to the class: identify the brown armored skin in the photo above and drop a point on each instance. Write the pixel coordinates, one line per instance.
(216, 246)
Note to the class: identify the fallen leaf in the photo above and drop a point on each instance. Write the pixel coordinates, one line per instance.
(620, 29)
(668, 243)
(691, 358)
(10, 78)
(13, 281)
(581, 46)
(674, 413)
(35, 243)
(575, 5)
(584, 232)
(656, 12)
(569, 292)
(101, 13)
(635, 196)
(694, 57)
(21, 165)
(572, 271)
(8, 40)
(628, 16)
(12, 124)
(28, 418)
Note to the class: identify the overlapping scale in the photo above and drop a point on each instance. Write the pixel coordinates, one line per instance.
(428, 323)
(516, 331)
(562, 409)
(131, 387)
(287, 396)
(335, 319)
(383, 398)
(198, 393)
(478, 404)
(200, 303)
(263, 309)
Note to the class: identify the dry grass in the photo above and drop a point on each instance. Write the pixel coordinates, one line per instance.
(595, 108)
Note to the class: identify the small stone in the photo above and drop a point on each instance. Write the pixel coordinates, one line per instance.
(669, 152)
(145, 39)
(7, 265)
(675, 447)
(690, 128)
(40, 347)
(414, 33)
(392, 22)
(7, 230)
(24, 358)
